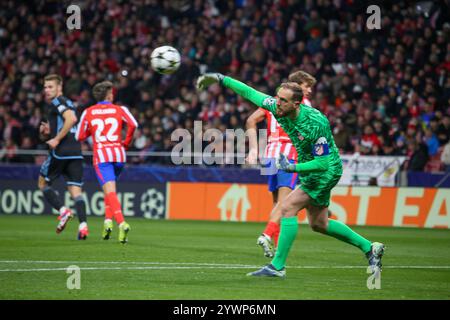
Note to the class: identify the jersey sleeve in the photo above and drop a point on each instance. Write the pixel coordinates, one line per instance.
(132, 124)
(258, 98)
(62, 106)
(316, 165)
(270, 104)
(83, 130)
(320, 151)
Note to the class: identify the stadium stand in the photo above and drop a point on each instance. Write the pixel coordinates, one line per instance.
(386, 92)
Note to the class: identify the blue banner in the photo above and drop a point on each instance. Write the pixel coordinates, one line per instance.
(150, 174)
(160, 174)
(426, 179)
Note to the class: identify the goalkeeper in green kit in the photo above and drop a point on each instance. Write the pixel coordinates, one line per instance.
(319, 165)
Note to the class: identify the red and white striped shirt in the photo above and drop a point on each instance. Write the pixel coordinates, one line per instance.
(278, 140)
(103, 121)
(307, 102)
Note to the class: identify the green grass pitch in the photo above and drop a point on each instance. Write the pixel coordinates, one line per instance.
(209, 260)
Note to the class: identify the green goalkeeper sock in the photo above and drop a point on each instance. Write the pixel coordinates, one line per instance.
(342, 232)
(288, 232)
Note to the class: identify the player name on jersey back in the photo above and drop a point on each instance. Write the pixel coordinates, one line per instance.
(103, 111)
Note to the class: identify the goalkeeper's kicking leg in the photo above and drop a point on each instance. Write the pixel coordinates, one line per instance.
(294, 202)
(268, 240)
(319, 221)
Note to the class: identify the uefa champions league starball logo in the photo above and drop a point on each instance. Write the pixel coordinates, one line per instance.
(152, 204)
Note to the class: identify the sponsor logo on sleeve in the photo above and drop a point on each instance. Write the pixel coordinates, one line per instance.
(270, 101)
(61, 108)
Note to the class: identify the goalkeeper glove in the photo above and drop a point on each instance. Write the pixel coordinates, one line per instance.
(208, 79)
(284, 164)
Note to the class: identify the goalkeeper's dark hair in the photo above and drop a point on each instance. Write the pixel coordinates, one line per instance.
(101, 90)
(302, 77)
(297, 92)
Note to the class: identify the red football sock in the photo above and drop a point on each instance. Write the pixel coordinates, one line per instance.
(275, 237)
(271, 229)
(115, 207)
(109, 214)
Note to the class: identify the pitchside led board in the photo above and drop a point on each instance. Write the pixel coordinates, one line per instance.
(137, 199)
(374, 206)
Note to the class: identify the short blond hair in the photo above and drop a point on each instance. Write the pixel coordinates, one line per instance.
(54, 77)
(297, 92)
(300, 77)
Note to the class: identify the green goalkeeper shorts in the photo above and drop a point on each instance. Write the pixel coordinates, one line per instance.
(318, 186)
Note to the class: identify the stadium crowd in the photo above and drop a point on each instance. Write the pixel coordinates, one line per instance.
(385, 92)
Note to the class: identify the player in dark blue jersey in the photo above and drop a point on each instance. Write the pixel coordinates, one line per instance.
(64, 155)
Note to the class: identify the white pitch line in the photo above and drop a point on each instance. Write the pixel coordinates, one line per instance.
(122, 262)
(358, 267)
(208, 264)
(210, 267)
(179, 265)
(128, 268)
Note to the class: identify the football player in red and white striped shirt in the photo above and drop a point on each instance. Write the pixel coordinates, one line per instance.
(281, 183)
(104, 121)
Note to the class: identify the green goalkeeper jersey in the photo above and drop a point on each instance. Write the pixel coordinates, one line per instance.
(310, 133)
(318, 157)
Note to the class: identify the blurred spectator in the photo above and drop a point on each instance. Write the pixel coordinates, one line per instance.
(341, 136)
(12, 129)
(369, 139)
(419, 156)
(445, 157)
(27, 144)
(432, 142)
(378, 88)
(9, 151)
(443, 130)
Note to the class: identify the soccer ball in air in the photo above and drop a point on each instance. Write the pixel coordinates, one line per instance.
(165, 60)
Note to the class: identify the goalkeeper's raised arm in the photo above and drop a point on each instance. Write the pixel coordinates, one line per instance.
(258, 98)
(287, 102)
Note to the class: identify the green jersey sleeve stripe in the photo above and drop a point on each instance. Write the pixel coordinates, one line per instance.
(319, 164)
